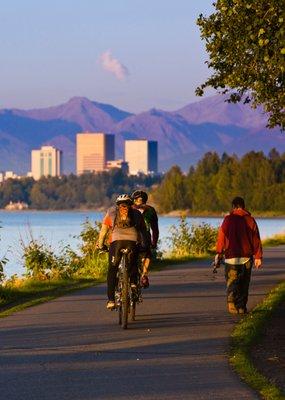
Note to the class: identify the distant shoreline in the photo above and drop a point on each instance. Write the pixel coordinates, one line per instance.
(171, 214)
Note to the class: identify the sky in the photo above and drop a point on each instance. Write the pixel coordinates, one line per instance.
(133, 54)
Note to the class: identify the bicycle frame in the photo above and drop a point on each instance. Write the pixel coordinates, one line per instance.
(124, 297)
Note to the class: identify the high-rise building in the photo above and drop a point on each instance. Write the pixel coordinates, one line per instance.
(141, 155)
(46, 162)
(93, 150)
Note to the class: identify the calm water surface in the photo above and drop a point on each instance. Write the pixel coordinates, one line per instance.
(61, 227)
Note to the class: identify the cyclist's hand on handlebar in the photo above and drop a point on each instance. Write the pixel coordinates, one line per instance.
(102, 249)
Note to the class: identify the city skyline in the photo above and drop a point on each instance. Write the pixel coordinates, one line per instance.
(95, 152)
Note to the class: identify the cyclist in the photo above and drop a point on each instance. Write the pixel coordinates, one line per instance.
(151, 221)
(127, 228)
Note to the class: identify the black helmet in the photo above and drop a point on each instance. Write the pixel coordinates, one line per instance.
(124, 198)
(140, 193)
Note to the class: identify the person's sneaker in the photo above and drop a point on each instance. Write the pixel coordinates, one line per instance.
(232, 308)
(110, 305)
(242, 310)
(144, 281)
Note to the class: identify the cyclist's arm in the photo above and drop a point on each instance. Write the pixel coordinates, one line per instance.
(154, 228)
(143, 233)
(102, 235)
(106, 225)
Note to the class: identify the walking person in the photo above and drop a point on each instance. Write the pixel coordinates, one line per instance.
(239, 243)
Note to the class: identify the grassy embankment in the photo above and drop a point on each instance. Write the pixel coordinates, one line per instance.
(276, 240)
(247, 333)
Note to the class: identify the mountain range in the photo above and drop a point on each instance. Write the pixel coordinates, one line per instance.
(183, 135)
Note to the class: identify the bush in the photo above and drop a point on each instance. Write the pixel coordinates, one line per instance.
(191, 240)
(41, 262)
(3, 262)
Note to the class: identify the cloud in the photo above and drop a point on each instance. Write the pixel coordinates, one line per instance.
(113, 65)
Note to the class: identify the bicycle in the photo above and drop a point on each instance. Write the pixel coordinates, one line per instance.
(126, 298)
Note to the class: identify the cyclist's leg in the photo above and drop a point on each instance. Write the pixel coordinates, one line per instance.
(114, 261)
(146, 261)
(132, 261)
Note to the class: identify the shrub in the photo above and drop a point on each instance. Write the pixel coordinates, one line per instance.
(191, 240)
(41, 263)
(3, 262)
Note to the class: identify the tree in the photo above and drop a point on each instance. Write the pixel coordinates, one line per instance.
(172, 192)
(246, 45)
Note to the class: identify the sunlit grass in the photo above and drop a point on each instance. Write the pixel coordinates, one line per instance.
(276, 240)
(246, 333)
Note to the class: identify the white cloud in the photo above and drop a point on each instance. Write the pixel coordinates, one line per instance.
(113, 65)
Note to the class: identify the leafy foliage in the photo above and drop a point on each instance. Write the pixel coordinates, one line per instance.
(245, 41)
(186, 239)
(215, 181)
(42, 263)
(3, 262)
(69, 192)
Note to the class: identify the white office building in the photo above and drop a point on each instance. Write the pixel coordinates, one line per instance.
(141, 155)
(46, 162)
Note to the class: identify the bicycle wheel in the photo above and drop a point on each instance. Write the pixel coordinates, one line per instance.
(125, 295)
(133, 311)
(120, 314)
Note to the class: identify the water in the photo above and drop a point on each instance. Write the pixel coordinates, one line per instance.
(61, 227)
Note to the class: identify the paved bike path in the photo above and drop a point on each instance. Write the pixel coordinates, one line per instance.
(71, 348)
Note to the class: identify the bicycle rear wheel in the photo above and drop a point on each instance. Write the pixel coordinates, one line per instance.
(125, 296)
(133, 311)
(120, 314)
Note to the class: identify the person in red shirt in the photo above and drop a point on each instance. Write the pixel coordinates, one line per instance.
(239, 243)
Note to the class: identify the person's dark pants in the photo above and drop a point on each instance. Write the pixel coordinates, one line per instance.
(115, 256)
(238, 279)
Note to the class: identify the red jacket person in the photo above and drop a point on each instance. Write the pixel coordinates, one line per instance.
(239, 242)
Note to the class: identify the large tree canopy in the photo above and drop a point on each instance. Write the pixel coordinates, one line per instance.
(246, 45)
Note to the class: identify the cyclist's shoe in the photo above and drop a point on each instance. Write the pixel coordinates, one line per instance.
(144, 281)
(232, 308)
(110, 305)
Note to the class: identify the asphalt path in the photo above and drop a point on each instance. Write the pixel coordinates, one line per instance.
(72, 348)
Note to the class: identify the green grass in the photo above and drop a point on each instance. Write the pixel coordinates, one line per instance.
(33, 292)
(276, 240)
(246, 333)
